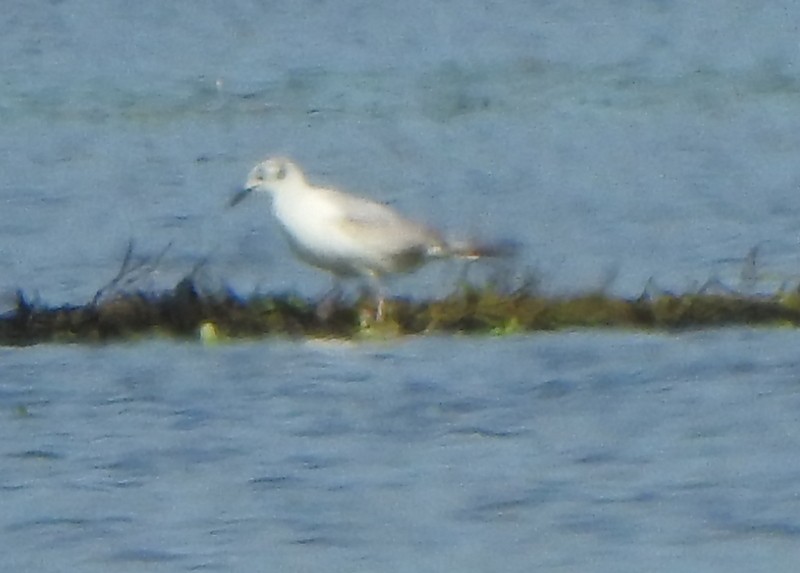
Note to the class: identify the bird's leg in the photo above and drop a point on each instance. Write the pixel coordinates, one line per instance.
(379, 310)
(329, 302)
(379, 295)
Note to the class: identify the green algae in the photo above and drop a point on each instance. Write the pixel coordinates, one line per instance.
(184, 312)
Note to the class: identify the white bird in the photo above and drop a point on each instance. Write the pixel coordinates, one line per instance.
(346, 235)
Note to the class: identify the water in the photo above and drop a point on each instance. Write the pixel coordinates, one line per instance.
(618, 143)
(574, 451)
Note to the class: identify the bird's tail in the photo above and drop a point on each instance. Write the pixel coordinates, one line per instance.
(470, 250)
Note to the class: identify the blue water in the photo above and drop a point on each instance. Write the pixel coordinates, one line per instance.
(625, 145)
(566, 452)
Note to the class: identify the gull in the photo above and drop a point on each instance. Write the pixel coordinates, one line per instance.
(347, 235)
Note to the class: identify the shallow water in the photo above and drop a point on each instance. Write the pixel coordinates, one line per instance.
(619, 144)
(574, 451)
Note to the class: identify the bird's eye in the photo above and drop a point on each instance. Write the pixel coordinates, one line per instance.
(281, 173)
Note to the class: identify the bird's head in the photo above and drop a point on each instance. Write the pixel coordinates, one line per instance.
(271, 175)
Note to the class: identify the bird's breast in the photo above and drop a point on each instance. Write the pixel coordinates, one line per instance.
(310, 220)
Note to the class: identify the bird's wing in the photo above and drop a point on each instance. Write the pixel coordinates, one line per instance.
(384, 230)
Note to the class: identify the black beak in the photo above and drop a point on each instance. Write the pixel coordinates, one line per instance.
(239, 196)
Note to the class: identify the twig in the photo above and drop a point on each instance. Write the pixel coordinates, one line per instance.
(130, 271)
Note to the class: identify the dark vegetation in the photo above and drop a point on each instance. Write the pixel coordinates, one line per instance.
(119, 312)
